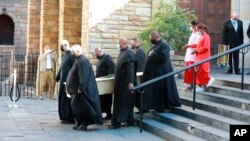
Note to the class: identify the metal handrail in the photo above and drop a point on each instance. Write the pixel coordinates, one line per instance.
(190, 66)
(140, 87)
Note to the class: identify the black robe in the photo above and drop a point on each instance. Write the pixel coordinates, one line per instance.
(82, 87)
(105, 67)
(141, 59)
(64, 104)
(163, 94)
(123, 99)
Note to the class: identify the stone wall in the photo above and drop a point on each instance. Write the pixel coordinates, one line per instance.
(72, 21)
(50, 23)
(17, 10)
(127, 21)
(34, 25)
(85, 25)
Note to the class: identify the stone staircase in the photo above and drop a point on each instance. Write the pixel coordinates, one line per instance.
(219, 106)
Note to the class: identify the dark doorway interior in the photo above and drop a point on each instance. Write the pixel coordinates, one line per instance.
(6, 30)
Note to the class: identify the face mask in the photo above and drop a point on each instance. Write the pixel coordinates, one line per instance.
(98, 57)
(234, 20)
(61, 48)
(74, 55)
(153, 41)
(199, 33)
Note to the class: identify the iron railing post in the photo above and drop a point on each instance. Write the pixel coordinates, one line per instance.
(141, 114)
(194, 88)
(242, 75)
(243, 51)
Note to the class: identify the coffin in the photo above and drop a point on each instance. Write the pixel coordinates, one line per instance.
(106, 85)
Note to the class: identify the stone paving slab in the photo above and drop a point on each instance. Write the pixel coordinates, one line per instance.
(38, 120)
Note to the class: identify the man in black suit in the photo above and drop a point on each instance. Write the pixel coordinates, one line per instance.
(248, 34)
(233, 36)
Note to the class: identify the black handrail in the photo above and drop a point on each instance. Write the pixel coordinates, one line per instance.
(140, 87)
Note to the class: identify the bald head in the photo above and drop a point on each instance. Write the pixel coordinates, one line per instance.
(135, 42)
(123, 42)
(154, 37)
(234, 16)
(98, 52)
(64, 45)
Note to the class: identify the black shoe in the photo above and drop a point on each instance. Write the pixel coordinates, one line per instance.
(82, 127)
(108, 117)
(143, 111)
(229, 72)
(160, 111)
(128, 124)
(237, 72)
(248, 73)
(65, 122)
(114, 126)
(75, 127)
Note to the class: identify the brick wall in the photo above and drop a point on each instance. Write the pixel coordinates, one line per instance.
(50, 22)
(34, 25)
(72, 21)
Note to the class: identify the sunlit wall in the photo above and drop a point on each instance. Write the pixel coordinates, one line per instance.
(99, 9)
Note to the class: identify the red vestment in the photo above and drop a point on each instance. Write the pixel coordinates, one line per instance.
(203, 52)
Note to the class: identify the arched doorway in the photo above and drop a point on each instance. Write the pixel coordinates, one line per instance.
(6, 30)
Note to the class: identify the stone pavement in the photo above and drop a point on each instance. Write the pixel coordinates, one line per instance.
(37, 120)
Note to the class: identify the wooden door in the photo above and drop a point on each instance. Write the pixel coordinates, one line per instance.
(213, 13)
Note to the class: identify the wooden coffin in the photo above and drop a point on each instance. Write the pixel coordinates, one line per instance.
(106, 85)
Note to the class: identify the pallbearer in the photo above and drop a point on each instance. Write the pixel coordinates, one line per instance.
(125, 79)
(82, 87)
(64, 105)
(105, 67)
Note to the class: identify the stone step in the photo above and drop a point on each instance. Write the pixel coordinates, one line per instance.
(192, 127)
(220, 109)
(222, 99)
(234, 92)
(233, 84)
(207, 118)
(166, 132)
(223, 90)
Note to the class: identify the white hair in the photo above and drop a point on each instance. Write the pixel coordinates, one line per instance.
(77, 48)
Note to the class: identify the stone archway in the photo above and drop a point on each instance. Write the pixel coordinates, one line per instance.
(17, 30)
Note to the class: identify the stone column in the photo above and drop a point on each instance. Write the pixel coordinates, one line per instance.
(245, 17)
(40, 47)
(85, 26)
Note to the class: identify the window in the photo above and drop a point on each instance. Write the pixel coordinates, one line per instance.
(6, 30)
